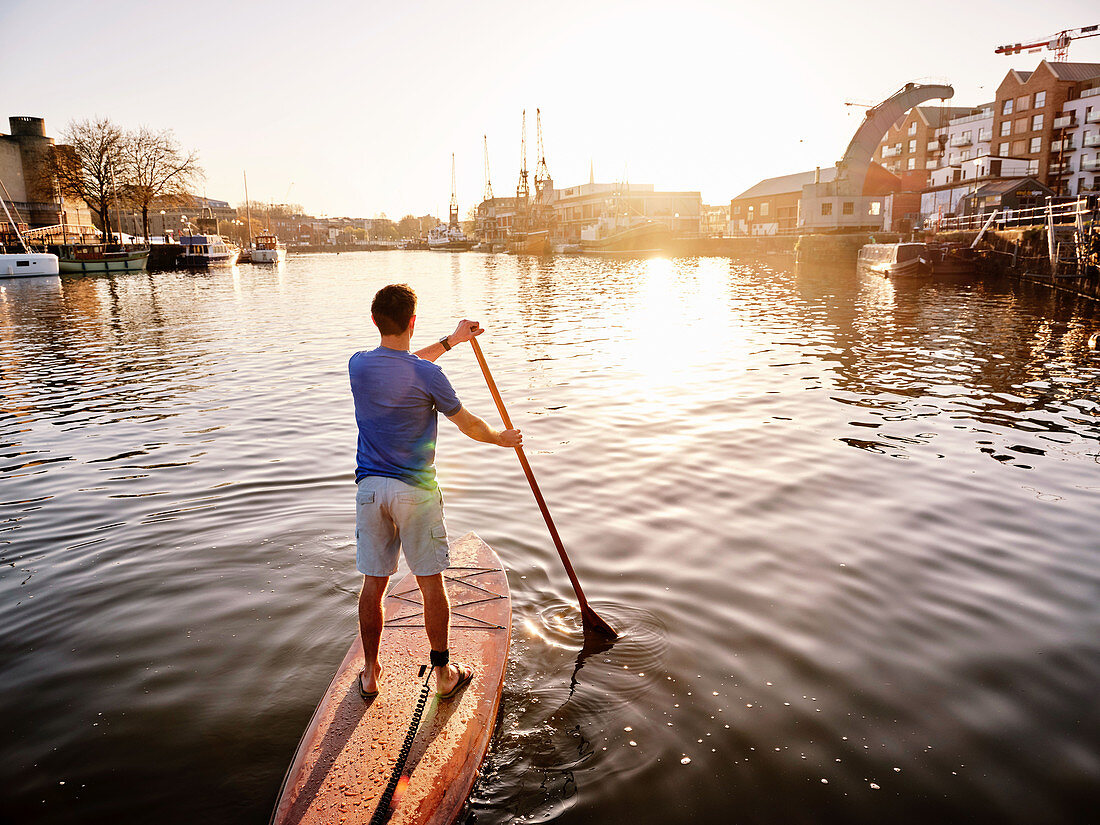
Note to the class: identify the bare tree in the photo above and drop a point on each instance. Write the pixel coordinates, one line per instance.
(87, 165)
(155, 167)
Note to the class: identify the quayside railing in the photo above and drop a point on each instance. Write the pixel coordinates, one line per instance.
(1069, 212)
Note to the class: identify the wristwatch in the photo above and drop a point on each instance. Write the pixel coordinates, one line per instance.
(446, 344)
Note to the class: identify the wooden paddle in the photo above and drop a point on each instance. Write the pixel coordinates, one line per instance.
(589, 618)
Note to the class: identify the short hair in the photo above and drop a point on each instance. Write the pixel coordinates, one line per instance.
(393, 307)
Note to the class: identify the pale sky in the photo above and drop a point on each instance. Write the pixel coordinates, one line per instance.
(354, 108)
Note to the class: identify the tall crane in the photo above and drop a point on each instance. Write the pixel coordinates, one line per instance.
(542, 172)
(1057, 43)
(488, 196)
(522, 190)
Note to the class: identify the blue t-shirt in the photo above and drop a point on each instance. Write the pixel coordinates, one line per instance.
(396, 398)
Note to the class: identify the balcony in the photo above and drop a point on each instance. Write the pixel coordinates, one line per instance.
(1090, 165)
(1065, 145)
(985, 135)
(891, 151)
(934, 146)
(1091, 141)
(1063, 122)
(931, 164)
(1060, 169)
(1094, 115)
(960, 140)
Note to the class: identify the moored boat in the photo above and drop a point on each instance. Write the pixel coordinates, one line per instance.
(102, 258)
(268, 249)
(952, 259)
(448, 238)
(609, 236)
(27, 264)
(892, 260)
(535, 242)
(204, 251)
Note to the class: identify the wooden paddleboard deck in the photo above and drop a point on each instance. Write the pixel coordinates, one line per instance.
(350, 747)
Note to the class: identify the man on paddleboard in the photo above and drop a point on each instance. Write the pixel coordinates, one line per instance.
(398, 506)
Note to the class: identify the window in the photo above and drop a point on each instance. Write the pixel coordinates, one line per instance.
(1036, 123)
(1040, 100)
(826, 209)
(876, 208)
(912, 164)
(1036, 145)
(1006, 128)
(1007, 108)
(912, 146)
(1033, 167)
(1021, 102)
(913, 128)
(737, 210)
(1002, 149)
(965, 155)
(849, 208)
(765, 208)
(1021, 126)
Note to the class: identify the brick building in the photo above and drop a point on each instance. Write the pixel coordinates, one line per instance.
(773, 206)
(1029, 121)
(911, 148)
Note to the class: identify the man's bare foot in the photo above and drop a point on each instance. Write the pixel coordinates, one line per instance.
(369, 686)
(450, 678)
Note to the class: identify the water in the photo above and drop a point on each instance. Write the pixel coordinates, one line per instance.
(846, 528)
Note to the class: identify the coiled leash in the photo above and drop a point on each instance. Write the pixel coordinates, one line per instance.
(383, 811)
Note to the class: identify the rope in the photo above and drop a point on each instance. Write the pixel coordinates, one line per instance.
(383, 811)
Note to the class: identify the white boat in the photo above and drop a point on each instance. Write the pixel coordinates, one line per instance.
(203, 251)
(24, 264)
(27, 264)
(448, 238)
(268, 249)
(895, 259)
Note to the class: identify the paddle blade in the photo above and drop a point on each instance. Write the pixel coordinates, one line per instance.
(594, 624)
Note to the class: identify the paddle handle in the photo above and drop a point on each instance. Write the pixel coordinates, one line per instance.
(587, 613)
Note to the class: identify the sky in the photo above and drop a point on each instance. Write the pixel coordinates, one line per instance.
(354, 108)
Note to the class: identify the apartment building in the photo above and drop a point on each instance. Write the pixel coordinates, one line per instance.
(1036, 112)
(911, 147)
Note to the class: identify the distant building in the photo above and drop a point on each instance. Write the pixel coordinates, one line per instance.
(774, 205)
(494, 219)
(25, 169)
(714, 220)
(580, 207)
(171, 215)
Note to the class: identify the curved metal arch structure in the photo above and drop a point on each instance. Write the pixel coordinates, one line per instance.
(852, 168)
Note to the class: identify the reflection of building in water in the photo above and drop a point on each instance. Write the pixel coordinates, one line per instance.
(26, 169)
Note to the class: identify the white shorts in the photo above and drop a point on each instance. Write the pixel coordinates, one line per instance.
(393, 516)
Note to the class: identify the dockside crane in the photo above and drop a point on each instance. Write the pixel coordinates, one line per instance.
(542, 172)
(523, 192)
(1057, 43)
(488, 196)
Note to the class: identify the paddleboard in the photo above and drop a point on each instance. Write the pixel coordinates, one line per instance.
(349, 749)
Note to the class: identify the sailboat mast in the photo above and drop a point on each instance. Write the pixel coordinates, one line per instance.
(4, 200)
(247, 209)
(454, 196)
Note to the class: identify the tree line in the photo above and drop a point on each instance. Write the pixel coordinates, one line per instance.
(103, 164)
